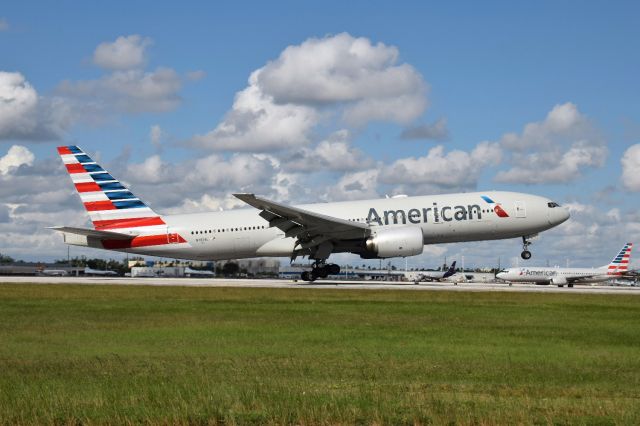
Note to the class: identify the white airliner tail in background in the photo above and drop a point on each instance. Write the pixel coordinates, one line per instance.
(570, 276)
(620, 264)
(372, 229)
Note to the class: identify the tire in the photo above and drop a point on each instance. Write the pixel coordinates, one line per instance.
(526, 254)
(322, 272)
(305, 276)
(333, 269)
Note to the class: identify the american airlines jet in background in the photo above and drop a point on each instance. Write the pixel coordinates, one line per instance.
(384, 228)
(561, 276)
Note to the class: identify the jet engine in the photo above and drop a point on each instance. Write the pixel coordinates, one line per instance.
(397, 241)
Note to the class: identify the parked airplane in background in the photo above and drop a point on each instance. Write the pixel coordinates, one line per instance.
(100, 272)
(570, 276)
(54, 272)
(384, 228)
(436, 275)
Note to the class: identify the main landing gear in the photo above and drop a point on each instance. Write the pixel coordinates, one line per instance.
(320, 270)
(526, 254)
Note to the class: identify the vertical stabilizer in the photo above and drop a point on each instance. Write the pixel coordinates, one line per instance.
(620, 263)
(110, 205)
(451, 271)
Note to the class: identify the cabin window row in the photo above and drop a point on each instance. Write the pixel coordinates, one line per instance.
(213, 231)
(365, 220)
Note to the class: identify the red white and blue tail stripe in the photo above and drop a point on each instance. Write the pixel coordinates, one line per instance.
(112, 206)
(620, 263)
(109, 203)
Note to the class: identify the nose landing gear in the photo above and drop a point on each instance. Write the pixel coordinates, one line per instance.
(526, 254)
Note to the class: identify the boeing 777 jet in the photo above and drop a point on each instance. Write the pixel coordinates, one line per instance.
(373, 229)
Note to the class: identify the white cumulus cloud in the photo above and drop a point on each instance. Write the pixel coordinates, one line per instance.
(186, 182)
(24, 115)
(335, 154)
(257, 123)
(126, 87)
(355, 186)
(443, 170)
(631, 168)
(124, 53)
(338, 76)
(130, 91)
(16, 157)
(556, 150)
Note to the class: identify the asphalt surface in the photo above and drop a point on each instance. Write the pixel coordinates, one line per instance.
(320, 284)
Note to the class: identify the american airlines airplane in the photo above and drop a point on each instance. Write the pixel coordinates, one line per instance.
(373, 229)
(561, 276)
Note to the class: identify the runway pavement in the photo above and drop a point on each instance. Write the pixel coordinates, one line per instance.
(324, 284)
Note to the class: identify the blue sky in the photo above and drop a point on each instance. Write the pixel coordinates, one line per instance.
(480, 70)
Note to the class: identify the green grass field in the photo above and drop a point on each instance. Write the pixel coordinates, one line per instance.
(128, 354)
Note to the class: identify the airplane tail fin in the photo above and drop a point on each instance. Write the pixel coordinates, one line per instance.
(110, 205)
(450, 271)
(620, 263)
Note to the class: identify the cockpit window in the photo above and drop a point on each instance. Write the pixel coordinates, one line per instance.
(553, 204)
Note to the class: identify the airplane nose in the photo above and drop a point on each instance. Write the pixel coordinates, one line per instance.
(562, 215)
(558, 215)
(500, 275)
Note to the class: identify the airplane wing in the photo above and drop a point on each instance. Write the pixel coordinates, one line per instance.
(310, 228)
(102, 235)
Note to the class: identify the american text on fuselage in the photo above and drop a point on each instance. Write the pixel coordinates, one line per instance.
(433, 214)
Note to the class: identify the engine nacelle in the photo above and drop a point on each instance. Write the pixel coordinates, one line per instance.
(558, 281)
(397, 241)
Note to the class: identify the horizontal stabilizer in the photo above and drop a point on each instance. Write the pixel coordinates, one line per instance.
(102, 235)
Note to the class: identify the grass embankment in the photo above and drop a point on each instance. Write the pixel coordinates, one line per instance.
(99, 354)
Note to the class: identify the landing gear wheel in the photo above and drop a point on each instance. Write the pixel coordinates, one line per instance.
(526, 254)
(569, 285)
(333, 269)
(306, 276)
(321, 272)
(320, 269)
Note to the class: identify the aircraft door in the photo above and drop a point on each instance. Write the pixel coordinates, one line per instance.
(520, 208)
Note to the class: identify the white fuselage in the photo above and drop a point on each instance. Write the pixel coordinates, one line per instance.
(555, 275)
(445, 218)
